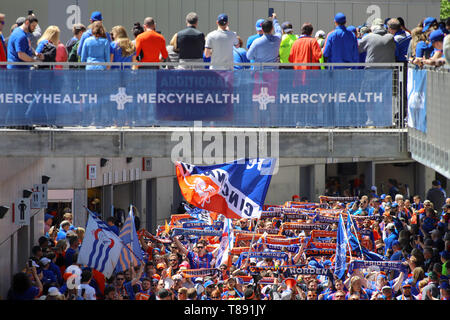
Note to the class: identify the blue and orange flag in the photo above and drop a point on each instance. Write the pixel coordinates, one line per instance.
(236, 189)
(131, 254)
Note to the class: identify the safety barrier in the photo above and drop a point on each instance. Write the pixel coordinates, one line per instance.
(429, 117)
(341, 95)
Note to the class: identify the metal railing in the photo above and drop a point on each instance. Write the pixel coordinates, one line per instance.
(398, 83)
(432, 148)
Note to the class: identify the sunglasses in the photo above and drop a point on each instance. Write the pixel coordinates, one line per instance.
(120, 279)
(200, 247)
(172, 259)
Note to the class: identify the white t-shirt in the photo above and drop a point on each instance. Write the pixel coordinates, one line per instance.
(89, 293)
(221, 42)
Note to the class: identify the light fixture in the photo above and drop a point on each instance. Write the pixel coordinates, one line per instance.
(26, 193)
(103, 162)
(45, 179)
(3, 211)
(129, 159)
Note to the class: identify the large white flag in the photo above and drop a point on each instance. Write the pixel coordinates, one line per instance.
(101, 247)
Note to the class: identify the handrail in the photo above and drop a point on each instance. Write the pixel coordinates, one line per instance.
(175, 64)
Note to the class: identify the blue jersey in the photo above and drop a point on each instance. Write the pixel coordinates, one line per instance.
(341, 46)
(197, 262)
(18, 42)
(424, 50)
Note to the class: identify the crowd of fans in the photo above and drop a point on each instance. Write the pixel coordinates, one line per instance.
(382, 41)
(410, 231)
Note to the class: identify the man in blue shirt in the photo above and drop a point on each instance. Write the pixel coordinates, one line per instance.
(258, 34)
(95, 16)
(19, 46)
(341, 45)
(266, 48)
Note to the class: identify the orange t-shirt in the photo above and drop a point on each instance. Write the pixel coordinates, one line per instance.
(305, 50)
(152, 44)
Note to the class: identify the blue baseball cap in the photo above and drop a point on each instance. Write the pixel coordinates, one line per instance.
(395, 243)
(437, 35)
(208, 283)
(340, 18)
(222, 19)
(96, 16)
(259, 23)
(394, 205)
(327, 263)
(427, 23)
(445, 254)
(407, 283)
(383, 196)
(444, 285)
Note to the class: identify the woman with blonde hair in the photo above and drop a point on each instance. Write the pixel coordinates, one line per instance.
(122, 48)
(47, 44)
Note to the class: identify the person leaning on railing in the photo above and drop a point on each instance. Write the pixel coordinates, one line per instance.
(437, 42)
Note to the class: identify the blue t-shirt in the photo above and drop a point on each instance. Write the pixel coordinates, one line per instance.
(61, 235)
(240, 56)
(424, 50)
(116, 51)
(18, 42)
(41, 46)
(252, 38)
(68, 258)
(29, 294)
(48, 276)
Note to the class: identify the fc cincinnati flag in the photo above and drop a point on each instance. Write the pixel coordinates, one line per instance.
(101, 247)
(235, 189)
(131, 254)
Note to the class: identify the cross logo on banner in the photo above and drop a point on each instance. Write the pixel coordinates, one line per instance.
(121, 98)
(263, 98)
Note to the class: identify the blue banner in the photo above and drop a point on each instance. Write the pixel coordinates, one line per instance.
(282, 98)
(417, 99)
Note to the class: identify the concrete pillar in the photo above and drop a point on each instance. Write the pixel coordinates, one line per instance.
(79, 203)
(319, 177)
(306, 182)
(369, 173)
(424, 177)
(107, 201)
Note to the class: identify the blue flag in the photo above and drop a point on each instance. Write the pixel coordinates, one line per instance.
(131, 254)
(351, 234)
(340, 262)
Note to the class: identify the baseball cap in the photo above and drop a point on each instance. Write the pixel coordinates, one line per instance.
(437, 35)
(96, 16)
(395, 243)
(446, 206)
(383, 196)
(427, 23)
(259, 24)
(444, 285)
(377, 22)
(20, 21)
(394, 205)
(286, 26)
(222, 19)
(53, 291)
(340, 18)
(208, 283)
(320, 33)
(445, 254)
(390, 226)
(45, 261)
(386, 288)
(327, 263)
